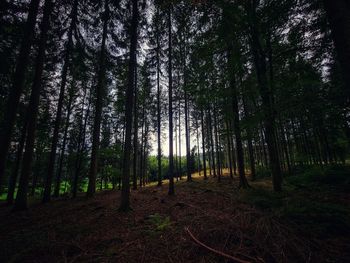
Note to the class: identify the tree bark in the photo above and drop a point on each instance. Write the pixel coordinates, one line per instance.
(266, 96)
(203, 145)
(159, 157)
(136, 130)
(170, 95)
(14, 175)
(125, 193)
(52, 158)
(98, 108)
(33, 108)
(64, 142)
(339, 19)
(17, 87)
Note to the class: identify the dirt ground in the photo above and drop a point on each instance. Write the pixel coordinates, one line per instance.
(205, 221)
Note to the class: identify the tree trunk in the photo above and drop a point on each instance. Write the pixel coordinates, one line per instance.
(136, 130)
(170, 95)
(63, 148)
(217, 143)
(180, 160)
(339, 19)
(237, 130)
(267, 98)
(33, 108)
(81, 146)
(52, 158)
(100, 93)
(249, 139)
(158, 113)
(187, 135)
(211, 143)
(203, 145)
(125, 193)
(17, 87)
(14, 175)
(228, 135)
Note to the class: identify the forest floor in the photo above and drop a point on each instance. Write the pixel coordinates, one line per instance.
(305, 223)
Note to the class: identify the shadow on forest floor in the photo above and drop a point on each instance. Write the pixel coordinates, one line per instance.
(301, 224)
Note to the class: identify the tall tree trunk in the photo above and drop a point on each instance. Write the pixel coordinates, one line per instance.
(14, 175)
(266, 96)
(211, 142)
(136, 130)
(180, 160)
(52, 158)
(81, 146)
(125, 193)
(217, 143)
(100, 93)
(170, 95)
(159, 157)
(228, 135)
(198, 156)
(187, 135)
(17, 87)
(339, 19)
(63, 148)
(203, 145)
(249, 139)
(33, 108)
(142, 143)
(237, 130)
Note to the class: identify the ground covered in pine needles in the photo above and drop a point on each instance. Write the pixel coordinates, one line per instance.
(205, 221)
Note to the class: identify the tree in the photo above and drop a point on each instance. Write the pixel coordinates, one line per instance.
(98, 106)
(125, 193)
(17, 86)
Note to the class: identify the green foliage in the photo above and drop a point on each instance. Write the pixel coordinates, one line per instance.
(262, 172)
(334, 176)
(158, 224)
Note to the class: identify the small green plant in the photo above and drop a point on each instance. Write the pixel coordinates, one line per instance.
(160, 222)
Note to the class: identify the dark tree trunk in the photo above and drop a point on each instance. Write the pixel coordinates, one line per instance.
(198, 156)
(63, 148)
(249, 139)
(32, 113)
(136, 130)
(217, 144)
(203, 145)
(180, 160)
(170, 95)
(125, 193)
(100, 93)
(339, 19)
(228, 135)
(159, 113)
(81, 146)
(14, 175)
(237, 130)
(267, 98)
(52, 158)
(211, 143)
(187, 135)
(142, 144)
(17, 86)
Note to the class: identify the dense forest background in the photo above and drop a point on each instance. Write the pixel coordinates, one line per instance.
(118, 94)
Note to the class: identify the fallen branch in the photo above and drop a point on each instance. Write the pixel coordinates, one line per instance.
(214, 250)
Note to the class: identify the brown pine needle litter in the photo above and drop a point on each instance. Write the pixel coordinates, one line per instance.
(204, 222)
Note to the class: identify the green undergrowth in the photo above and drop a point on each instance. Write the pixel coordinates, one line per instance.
(157, 224)
(313, 200)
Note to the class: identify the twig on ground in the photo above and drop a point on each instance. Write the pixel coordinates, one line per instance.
(214, 250)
